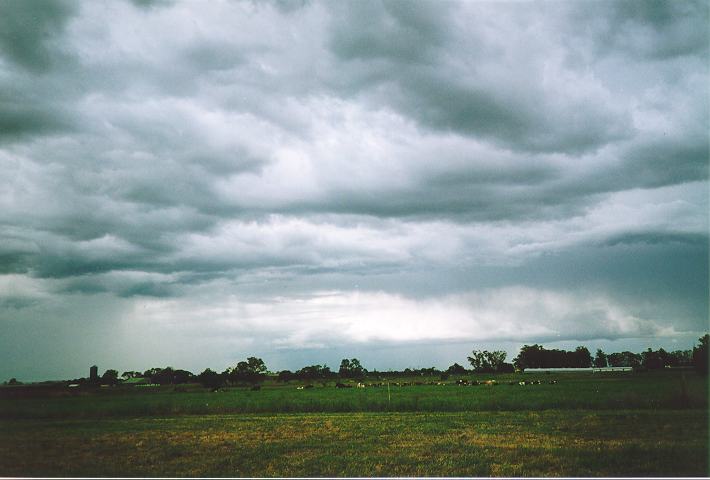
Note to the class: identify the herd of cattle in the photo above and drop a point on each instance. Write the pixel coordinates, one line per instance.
(460, 383)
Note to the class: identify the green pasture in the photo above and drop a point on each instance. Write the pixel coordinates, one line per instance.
(630, 424)
(651, 390)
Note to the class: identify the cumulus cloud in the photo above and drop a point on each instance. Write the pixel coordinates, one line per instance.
(464, 162)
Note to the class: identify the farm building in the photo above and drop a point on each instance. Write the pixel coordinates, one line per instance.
(612, 369)
(578, 370)
(139, 382)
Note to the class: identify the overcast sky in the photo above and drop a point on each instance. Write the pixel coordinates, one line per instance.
(192, 183)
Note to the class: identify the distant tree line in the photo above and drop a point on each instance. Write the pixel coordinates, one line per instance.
(537, 356)
(253, 370)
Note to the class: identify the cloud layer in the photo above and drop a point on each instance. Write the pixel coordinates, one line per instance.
(310, 175)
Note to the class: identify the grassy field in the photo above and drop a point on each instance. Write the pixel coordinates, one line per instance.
(657, 390)
(585, 425)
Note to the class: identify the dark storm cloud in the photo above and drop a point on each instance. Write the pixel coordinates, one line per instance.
(17, 119)
(400, 31)
(412, 58)
(654, 29)
(660, 163)
(151, 3)
(34, 59)
(29, 31)
(34, 105)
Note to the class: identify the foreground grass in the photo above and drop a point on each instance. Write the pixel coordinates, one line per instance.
(545, 443)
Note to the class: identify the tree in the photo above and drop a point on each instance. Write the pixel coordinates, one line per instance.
(653, 360)
(152, 372)
(600, 359)
(479, 361)
(181, 376)
(313, 372)
(536, 356)
(530, 356)
(700, 355)
(351, 368)
(456, 369)
(680, 358)
(485, 361)
(163, 376)
(624, 359)
(252, 370)
(257, 366)
(581, 358)
(506, 368)
(496, 359)
(110, 377)
(210, 379)
(344, 370)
